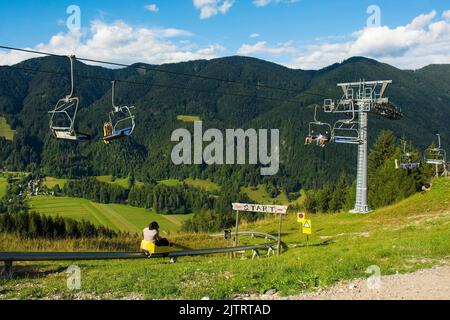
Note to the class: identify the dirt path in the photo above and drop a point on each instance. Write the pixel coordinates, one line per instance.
(429, 284)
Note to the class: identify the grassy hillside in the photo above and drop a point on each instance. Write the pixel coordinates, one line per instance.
(207, 185)
(50, 182)
(259, 195)
(3, 186)
(5, 129)
(407, 236)
(114, 216)
(185, 118)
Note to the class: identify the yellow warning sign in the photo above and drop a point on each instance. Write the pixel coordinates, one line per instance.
(301, 217)
(307, 227)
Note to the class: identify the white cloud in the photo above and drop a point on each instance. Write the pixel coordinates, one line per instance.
(255, 35)
(263, 3)
(121, 42)
(152, 8)
(446, 14)
(425, 40)
(261, 47)
(210, 8)
(417, 44)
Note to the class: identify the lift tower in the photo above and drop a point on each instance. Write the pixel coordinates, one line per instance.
(360, 99)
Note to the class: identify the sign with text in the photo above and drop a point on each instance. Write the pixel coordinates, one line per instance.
(259, 208)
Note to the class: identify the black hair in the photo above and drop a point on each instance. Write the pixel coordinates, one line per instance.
(153, 225)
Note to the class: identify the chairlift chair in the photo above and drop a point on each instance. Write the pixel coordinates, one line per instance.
(405, 162)
(346, 130)
(120, 123)
(436, 156)
(63, 116)
(322, 138)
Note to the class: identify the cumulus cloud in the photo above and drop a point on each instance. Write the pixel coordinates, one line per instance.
(210, 8)
(263, 3)
(152, 8)
(446, 14)
(261, 47)
(119, 41)
(425, 40)
(255, 35)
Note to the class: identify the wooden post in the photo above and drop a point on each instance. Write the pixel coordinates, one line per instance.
(236, 230)
(279, 234)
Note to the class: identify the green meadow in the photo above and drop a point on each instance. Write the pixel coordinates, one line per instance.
(410, 235)
(187, 118)
(206, 185)
(3, 186)
(5, 129)
(114, 216)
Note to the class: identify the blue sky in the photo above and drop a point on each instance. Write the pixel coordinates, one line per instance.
(303, 34)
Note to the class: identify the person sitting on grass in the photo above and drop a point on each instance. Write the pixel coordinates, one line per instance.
(152, 234)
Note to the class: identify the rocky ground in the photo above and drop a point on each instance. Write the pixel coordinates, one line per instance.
(429, 284)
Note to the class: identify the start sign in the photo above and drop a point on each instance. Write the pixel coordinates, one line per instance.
(259, 208)
(307, 227)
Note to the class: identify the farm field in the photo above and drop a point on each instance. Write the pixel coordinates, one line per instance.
(411, 235)
(115, 216)
(5, 129)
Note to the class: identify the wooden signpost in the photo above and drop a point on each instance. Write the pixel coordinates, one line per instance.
(274, 209)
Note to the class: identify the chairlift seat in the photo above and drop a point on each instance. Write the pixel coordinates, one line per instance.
(118, 134)
(64, 134)
(409, 165)
(435, 161)
(346, 140)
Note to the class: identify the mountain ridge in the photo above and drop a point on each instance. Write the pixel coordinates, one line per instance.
(26, 97)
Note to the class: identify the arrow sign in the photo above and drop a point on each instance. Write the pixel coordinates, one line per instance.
(246, 207)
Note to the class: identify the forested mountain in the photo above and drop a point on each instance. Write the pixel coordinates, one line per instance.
(26, 97)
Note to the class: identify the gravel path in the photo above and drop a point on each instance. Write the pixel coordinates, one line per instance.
(429, 284)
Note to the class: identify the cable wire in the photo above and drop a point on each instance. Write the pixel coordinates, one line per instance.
(296, 91)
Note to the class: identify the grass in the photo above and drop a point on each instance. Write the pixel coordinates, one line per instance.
(185, 118)
(50, 182)
(114, 216)
(5, 130)
(3, 187)
(206, 185)
(123, 182)
(259, 195)
(407, 236)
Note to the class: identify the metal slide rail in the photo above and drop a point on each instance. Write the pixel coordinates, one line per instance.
(251, 233)
(9, 257)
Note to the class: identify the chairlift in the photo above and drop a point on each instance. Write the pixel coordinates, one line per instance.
(63, 116)
(406, 162)
(346, 130)
(437, 155)
(121, 122)
(322, 138)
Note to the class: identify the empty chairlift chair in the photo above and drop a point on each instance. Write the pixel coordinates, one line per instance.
(436, 156)
(406, 161)
(63, 116)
